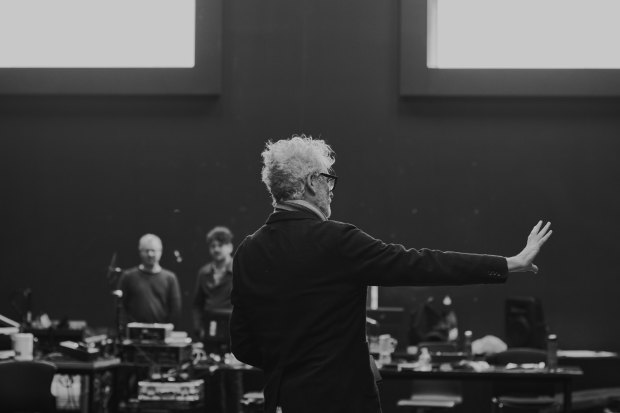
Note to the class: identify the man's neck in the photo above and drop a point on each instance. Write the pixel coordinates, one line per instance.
(221, 263)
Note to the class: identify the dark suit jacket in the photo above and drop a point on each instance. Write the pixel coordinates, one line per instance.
(299, 306)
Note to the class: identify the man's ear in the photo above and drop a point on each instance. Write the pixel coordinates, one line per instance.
(310, 185)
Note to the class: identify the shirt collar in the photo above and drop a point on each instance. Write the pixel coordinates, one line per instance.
(296, 204)
(228, 267)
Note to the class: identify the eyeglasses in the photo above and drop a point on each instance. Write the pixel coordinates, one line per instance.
(330, 179)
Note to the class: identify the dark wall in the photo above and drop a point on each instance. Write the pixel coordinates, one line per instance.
(84, 177)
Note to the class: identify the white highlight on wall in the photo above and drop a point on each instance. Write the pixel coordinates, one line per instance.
(538, 34)
(97, 33)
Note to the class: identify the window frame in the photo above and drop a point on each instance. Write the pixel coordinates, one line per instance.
(418, 80)
(203, 79)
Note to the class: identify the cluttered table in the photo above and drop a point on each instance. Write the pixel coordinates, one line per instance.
(481, 371)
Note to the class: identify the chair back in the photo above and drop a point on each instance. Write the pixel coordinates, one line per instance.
(525, 323)
(25, 386)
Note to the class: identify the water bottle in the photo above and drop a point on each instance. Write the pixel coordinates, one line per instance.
(424, 360)
(552, 352)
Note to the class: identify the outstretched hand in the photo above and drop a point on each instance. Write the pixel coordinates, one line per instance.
(524, 261)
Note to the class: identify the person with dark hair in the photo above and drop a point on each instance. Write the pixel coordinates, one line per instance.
(211, 305)
(211, 316)
(300, 281)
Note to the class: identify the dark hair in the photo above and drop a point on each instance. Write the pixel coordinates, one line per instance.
(219, 234)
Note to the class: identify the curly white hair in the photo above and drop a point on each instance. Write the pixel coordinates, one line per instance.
(287, 162)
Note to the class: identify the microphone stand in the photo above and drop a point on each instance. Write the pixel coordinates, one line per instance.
(113, 273)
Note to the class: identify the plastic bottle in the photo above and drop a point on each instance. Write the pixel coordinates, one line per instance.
(449, 318)
(424, 359)
(552, 351)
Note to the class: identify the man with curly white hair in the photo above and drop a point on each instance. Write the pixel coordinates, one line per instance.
(299, 286)
(292, 171)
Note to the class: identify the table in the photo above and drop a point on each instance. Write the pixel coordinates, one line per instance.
(96, 373)
(563, 376)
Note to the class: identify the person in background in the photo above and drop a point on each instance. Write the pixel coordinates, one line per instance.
(300, 281)
(211, 305)
(211, 316)
(151, 294)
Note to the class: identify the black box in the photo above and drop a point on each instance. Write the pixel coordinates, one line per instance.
(164, 354)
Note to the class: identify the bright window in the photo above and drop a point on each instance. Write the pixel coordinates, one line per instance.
(523, 34)
(97, 33)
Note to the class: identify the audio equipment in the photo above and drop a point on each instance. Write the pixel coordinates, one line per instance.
(149, 332)
(183, 391)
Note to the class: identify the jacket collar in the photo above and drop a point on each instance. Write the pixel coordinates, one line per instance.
(297, 214)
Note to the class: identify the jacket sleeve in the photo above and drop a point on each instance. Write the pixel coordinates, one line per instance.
(243, 341)
(384, 264)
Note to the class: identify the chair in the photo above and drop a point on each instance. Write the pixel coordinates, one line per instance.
(521, 396)
(217, 331)
(25, 386)
(434, 395)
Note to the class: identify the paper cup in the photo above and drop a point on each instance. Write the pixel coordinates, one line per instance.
(23, 346)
